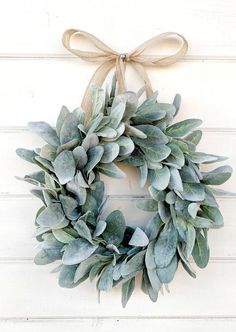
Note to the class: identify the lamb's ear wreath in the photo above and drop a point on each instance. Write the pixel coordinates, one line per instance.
(72, 226)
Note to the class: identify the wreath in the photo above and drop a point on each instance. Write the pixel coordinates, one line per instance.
(71, 227)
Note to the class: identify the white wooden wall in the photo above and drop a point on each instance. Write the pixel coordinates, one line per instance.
(37, 76)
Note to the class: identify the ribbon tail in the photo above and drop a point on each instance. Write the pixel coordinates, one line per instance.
(97, 79)
(120, 74)
(139, 68)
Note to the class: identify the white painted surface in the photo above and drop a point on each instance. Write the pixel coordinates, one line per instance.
(37, 77)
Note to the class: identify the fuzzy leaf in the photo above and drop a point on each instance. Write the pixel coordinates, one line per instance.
(193, 192)
(77, 251)
(64, 166)
(126, 145)
(80, 157)
(182, 128)
(165, 247)
(105, 282)
(27, 155)
(139, 238)
(161, 178)
(66, 276)
(45, 131)
(218, 176)
(204, 158)
(51, 216)
(111, 151)
(134, 265)
(127, 290)
(115, 229)
(166, 274)
(94, 156)
(200, 251)
(110, 169)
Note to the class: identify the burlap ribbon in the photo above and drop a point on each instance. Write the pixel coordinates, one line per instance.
(110, 58)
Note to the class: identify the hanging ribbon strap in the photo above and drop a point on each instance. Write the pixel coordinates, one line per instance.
(110, 59)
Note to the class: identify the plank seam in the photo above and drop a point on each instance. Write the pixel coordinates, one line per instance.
(117, 318)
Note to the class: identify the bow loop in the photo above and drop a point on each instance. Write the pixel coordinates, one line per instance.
(109, 58)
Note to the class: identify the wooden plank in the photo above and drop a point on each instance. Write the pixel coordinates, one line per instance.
(17, 223)
(213, 142)
(38, 88)
(208, 26)
(121, 324)
(28, 290)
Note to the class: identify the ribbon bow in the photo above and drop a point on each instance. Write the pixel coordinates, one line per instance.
(110, 58)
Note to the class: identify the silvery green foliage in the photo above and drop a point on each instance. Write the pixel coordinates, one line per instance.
(68, 225)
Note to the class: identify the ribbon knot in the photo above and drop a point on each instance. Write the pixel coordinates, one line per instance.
(110, 59)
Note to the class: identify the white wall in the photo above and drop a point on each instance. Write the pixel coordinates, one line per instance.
(37, 76)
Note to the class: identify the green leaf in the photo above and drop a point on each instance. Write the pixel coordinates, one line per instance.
(45, 131)
(107, 132)
(83, 230)
(69, 129)
(105, 282)
(64, 166)
(27, 155)
(190, 237)
(110, 169)
(66, 276)
(46, 256)
(100, 228)
(194, 137)
(166, 274)
(193, 192)
(154, 152)
(111, 151)
(186, 264)
(165, 247)
(139, 238)
(80, 192)
(176, 157)
(61, 118)
(214, 214)
(48, 152)
(192, 210)
(153, 227)
(175, 182)
(201, 251)
(90, 141)
(143, 173)
(218, 176)
(131, 102)
(62, 236)
(116, 115)
(147, 205)
(134, 131)
(126, 145)
(85, 266)
(94, 156)
(133, 265)
(149, 257)
(160, 178)
(51, 216)
(77, 251)
(149, 113)
(154, 134)
(204, 158)
(115, 229)
(188, 174)
(80, 157)
(98, 100)
(176, 103)
(182, 128)
(127, 290)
